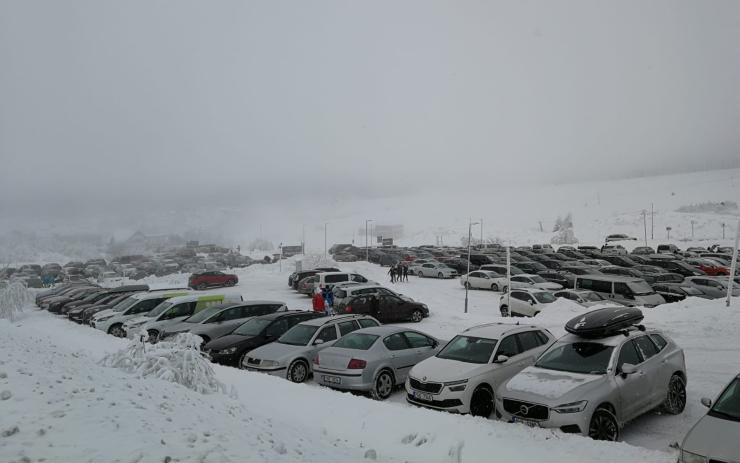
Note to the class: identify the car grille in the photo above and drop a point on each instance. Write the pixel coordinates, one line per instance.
(526, 410)
(434, 388)
(448, 403)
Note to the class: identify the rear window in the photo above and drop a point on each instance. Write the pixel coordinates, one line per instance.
(367, 323)
(335, 278)
(357, 341)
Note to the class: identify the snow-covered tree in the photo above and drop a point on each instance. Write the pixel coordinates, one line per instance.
(564, 231)
(13, 298)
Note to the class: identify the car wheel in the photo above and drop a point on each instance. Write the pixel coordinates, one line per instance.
(298, 371)
(383, 386)
(206, 340)
(242, 361)
(603, 425)
(505, 289)
(117, 331)
(231, 283)
(536, 313)
(417, 316)
(201, 286)
(153, 335)
(504, 311)
(439, 275)
(494, 287)
(675, 401)
(481, 402)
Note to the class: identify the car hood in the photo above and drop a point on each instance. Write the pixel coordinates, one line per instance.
(230, 340)
(137, 321)
(162, 325)
(548, 285)
(714, 438)
(181, 327)
(550, 387)
(276, 351)
(438, 370)
(105, 313)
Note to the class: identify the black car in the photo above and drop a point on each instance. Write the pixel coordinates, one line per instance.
(531, 267)
(258, 331)
(673, 292)
(55, 305)
(461, 265)
(624, 271)
(622, 261)
(675, 266)
(386, 308)
(556, 277)
(102, 297)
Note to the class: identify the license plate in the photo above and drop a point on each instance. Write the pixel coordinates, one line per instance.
(530, 423)
(331, 379)
(423, 396)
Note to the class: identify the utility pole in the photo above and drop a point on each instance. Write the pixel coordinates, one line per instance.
(652, 221)
(723, 230)
(481, 232)
(467, 284)
(367, 250)
(668, 231)
(326, 224)
(644, 224)
(508, 280)
(303, 240)
(733, 266)
(692, 228)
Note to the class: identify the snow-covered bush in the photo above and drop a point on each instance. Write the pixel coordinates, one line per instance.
(179, 361)
(564, 231)
(13, 298)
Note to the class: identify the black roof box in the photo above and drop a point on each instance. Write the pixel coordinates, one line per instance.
(602, 323)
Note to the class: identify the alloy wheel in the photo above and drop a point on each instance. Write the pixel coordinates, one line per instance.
(603, 426)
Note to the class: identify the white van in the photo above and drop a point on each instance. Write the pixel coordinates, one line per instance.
(175, 310)
(329, 279)
(629, 291)
(111, 320)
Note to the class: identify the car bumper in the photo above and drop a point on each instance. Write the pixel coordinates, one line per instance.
(231, 360)
(101, 325)
(344, 379)
(453, 402)
(572, 423)
(280, 372)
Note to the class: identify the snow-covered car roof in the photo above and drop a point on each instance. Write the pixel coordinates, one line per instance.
(325, 320)
(496, 330)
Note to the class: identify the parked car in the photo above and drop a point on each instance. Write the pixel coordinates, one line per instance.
(619, 237)
(295, 277)
(557, 277)
(714, 288)
(622, 261)
(668, 249)
(232, 348)
(329, 279)
(596, 263)
(624, 271)
(675, 266)
(465, 374)
(534, 281)
(174, 310)
(343, 294)
(625, 290)
(708, 266)
(435, 270)
(484, 279)
(603, 381)
(501, 269)
(308, 285)
(531, 267)
(386, 308)
(714, 437)
(374, 360)
(613, 250)
(111, 320)
(643, 250)
(668, 278)
(584, 298)
(673, 292)
(212, 279)
(524, 302)
(291, 356)
(84, 314)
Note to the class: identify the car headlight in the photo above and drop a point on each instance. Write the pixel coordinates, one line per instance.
(269, 363)
(688, 457)
(227, 351)
(573, 407)
(457, 386)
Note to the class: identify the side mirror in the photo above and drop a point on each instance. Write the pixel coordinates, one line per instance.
(628, 369)
(318, 342)
(501, 358)
(706, 402)
(531, 302)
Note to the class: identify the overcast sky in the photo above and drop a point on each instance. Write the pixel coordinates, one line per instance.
(135, 103)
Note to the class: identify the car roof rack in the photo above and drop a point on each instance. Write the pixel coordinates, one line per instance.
(606, 322)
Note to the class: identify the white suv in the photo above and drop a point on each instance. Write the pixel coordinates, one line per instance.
(463, 376)
(436, 270)
(525, 302)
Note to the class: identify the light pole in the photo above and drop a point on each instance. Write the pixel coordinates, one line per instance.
(325, 225)
(303, 240)
(644, 224)
(367, 250)
(467, 284)
(733, 265)
(692, 228)
(668, 232)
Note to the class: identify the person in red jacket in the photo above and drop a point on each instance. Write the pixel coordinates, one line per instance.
(318, 301)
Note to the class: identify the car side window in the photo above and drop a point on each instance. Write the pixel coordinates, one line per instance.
(347, 327)
(659, 341)
(366, 323)
(623, 289)
(544, 339)
(646, 347)
(396, 342)
(508, 347)
(518, 295)
(146, 306)
(328, 333)
(417, 340)
(628, 354)
(181, 310)
(528, 340)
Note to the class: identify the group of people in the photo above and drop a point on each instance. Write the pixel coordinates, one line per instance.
(323, 301)
(399, 272)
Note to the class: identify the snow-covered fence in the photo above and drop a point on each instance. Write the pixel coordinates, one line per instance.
(13, 298)
(179, 361)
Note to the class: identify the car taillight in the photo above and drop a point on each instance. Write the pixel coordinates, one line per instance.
(348, 309)
(356, 364)
(316, 360)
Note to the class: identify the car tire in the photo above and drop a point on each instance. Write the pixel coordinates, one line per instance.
(383, 387)
(439, 275)
(117, 330)
(298, 371)
(481, 402)
(675, 400)
(206, 340)
(201, 287)
(242, 358)
(153, 336)
(231, 283)
(417, 316)
(603, 425)
(494, 287)
(505, 311)
(505, 289)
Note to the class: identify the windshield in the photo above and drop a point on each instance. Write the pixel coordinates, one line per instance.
(728, 404)
(125, 304)
(640, 288)
(203, 314)
(468, 349)
(545, 298)
(691, 291)
(591, 297)
(579, 357)
(359, 341)
(253, 327)
(537, 279)
(159, 310)
(299, 335)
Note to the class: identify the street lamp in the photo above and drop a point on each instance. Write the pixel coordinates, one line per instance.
(367, 252)
(325, 225)
(467, 284)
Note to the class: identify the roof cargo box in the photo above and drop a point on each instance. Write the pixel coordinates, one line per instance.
(602, 323)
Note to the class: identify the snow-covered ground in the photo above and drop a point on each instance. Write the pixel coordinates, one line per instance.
(61, 405)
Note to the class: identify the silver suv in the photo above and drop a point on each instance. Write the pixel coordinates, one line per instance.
(594, 386)
(292, 355)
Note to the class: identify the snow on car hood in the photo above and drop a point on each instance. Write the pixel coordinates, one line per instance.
(438, 370)
(104, 313)
(276, 351)
(714, 438)
(548, 383)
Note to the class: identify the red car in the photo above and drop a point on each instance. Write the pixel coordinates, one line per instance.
(212, 279)
(710, 267)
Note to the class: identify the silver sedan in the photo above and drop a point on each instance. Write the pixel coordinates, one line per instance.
(374, 360)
